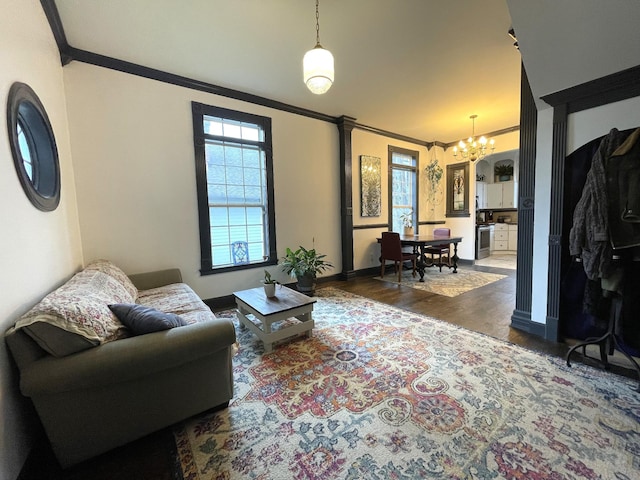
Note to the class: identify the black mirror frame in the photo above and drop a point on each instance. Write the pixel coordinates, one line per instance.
(460, 171)
(23, 104)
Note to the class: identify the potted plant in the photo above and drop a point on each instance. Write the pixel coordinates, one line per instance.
(433, 173)
(269, 285)
(407, 222)
(503, 171)
(304, 265)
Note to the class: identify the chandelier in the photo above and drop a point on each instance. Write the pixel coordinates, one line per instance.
(474, 149)
(317, 64)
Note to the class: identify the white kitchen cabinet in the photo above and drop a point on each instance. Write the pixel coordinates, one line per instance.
(501, 239)
(502, 195)
(506, 237)
(481, 194)
(492, 237)
(494, 195)
(500, 246)
(509, 194)
(513, 237)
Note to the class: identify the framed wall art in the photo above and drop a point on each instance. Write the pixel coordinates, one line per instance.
(370, 186)
(458, 190)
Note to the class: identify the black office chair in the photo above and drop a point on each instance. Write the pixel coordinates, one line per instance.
(391, 249)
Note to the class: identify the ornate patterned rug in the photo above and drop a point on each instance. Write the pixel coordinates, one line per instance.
(381, 393)
(444, 283)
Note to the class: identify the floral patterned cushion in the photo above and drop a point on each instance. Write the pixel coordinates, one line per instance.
(177, 298)
(76, 316)
(105, 266)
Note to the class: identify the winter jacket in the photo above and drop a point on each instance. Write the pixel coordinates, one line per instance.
(589, 235)
(623, 192)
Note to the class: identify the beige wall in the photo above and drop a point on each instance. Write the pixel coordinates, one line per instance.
(38, 250)
(132, 141)
(365, 248)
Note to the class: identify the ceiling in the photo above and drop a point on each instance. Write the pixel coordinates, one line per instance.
(569, 42)
(417, 68)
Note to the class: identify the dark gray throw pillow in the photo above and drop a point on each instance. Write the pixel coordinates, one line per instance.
(141, 320)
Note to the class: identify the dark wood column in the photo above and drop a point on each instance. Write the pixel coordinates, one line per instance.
(558, 154)
(345, 127)
(521, 317)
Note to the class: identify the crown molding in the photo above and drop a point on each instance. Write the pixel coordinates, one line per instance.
(608, 89)
(69, 53)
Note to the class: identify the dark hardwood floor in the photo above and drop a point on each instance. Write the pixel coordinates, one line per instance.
(487, 310)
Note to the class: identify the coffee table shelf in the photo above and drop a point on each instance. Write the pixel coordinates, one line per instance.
(268, 310)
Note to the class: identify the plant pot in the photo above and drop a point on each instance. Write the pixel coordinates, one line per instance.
(307, 284)
(505, 178)
(270, 289)
(408, 231)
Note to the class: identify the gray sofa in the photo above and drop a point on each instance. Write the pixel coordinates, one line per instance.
(93, 385)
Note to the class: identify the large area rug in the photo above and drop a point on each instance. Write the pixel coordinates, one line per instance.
(381, 393)
(444, 283)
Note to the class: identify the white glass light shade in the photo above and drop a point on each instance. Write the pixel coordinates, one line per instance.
(317, 66)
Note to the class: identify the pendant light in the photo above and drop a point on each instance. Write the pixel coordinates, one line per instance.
(317, 64)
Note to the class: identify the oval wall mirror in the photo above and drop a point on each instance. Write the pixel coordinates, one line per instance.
(33, 146)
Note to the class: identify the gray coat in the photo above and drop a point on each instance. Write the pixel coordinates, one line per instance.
(589, 236)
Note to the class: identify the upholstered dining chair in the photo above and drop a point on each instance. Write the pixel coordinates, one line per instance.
(391, 249)
(442, 249)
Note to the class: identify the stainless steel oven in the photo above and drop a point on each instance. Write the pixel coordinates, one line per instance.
(483, 241)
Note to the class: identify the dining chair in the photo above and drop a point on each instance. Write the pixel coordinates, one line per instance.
(441, 249)
(391, 249)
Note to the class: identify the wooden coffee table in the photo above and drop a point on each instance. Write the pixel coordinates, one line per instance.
(286, 304)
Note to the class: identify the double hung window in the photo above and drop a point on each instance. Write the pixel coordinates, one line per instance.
(403, 187)
(234, 177)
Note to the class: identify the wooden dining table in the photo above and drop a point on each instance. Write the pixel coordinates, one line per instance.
(420, 243)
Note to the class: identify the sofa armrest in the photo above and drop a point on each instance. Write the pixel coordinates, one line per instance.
(23, 348)
(159, 278)
(127, 359)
